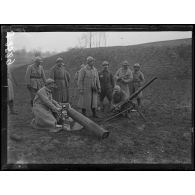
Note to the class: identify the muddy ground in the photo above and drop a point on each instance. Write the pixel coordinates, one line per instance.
(164, 138)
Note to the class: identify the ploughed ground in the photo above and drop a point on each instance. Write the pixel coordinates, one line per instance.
(164, 138)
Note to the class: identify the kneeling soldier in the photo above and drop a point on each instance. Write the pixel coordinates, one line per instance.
(46, 109)
(118, 96)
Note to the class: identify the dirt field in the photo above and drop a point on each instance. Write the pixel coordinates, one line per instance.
(164, 138)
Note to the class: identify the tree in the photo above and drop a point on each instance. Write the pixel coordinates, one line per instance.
(93, 39)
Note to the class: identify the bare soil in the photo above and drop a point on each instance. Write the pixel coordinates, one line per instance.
(164, 138)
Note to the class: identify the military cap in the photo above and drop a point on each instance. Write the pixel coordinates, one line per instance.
(136, 65)
(89, 59)
(117, 88)
(125, 62)
(59, 59)
(37, 59)
(105, 63)
(49, 81)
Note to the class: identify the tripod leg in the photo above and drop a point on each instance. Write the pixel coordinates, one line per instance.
(143, 117)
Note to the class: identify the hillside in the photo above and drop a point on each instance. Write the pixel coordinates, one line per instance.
(165, 59)
(165, 138)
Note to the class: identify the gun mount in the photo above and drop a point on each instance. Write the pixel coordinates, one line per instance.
(128, 105)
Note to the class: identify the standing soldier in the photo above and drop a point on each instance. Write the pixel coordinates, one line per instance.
(89, 87)
(35, 77)
(138, 80)
(11, 81)
(62, 79)
(76, 76)
(107, 84)
(123, 77)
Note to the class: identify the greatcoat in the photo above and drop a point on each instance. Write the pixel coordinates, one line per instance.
(127, 76)
(62, 79)
(88, 81)
(44, 108)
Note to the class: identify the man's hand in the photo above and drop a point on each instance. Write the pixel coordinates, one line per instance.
(59, 109)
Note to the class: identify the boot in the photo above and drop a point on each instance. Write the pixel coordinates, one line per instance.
(11, 108)
(138, 102)
(101, 106)
(109, 107)
(84, 111)
(94, 113)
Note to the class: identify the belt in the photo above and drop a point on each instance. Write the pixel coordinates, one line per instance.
(35, 77)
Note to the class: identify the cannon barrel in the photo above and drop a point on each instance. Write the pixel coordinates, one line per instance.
(87, 123)
(141, 89)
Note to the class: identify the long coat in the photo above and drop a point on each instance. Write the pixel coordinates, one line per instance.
(62, 79)
(127, 76)
(43, 108)
(88, 79)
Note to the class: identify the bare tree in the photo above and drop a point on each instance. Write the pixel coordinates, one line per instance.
(93, 39)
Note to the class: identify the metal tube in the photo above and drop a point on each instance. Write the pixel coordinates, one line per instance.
(87, 123)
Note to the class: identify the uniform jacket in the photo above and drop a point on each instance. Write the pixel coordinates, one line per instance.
(106, 80)
(35, 76)
(138, 79)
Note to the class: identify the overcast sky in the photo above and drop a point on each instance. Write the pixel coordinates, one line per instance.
(61, 41)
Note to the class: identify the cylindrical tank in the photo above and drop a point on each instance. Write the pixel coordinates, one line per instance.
(87, 123)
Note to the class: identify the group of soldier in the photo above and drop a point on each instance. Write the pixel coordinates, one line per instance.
(91, 85)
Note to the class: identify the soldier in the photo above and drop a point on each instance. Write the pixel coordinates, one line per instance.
(11, 81)
(76, 76)
(123, 77)
(62, 79)
(138, 80)
(106, 83)
(35, 77)
(89, 87)
(118, 96)
(46, 109)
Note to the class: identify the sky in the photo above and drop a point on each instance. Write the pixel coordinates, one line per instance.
(62, 41)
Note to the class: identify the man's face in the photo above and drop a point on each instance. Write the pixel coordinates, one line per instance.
(105, 67)
(91, 63)
(116, 90)
(52, 86)
(136, 68)
(59, 63)
(38, 63)
(125, 65)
